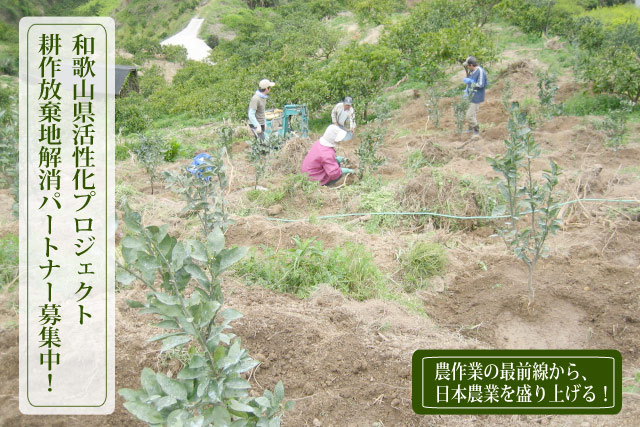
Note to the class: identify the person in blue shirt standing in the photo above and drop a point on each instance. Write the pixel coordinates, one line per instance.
(476, 83)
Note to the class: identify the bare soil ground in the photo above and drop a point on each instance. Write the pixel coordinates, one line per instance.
(347, 363)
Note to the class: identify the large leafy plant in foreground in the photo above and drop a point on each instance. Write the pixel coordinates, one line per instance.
(183, 278)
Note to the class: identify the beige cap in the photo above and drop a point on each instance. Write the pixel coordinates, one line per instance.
(265, 83)
(332, 135)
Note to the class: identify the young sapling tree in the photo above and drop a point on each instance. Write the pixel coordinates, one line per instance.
(370, 142)
(203, 187)
(530, 205)
(614, 124)
(150, 152)
(433, 105)
(505, 97)
(261, 150)
(547, 89)
(460, 108)
(225, 137)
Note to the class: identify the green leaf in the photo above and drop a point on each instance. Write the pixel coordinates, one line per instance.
(171, 342)
(132, 219)
(144, 412)
(187, 325)
(162, 232)
(230, 314)
(198, 250)
(237, 383)
(197, 361)
(245, 365)
(166, 310)
(228, 257)
(177, 418)
(240, 407)
(167, 299)
(215, 241)
(263, 401)
(289, 405)
(190, 374)
(163, 336)
(130, 255)
(219, 416)
(124, 277)
(168, 324)
(208, 312)
(149, 383)
(132, 395)
(133, 243)
(202, 387)
(148, 266)
(278, 392)
(167, 244)
(235, 351)
(225, 338)
(196, 422)
(165, 402)
(172, 387)
(134, 304)
(178, 255)
(197, 273)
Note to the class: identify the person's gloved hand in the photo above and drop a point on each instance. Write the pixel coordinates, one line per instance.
(346, 170)
(340, 159)
(468, 80)
(258, 130)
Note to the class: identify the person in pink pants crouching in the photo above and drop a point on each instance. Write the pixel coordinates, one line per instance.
(321, 163)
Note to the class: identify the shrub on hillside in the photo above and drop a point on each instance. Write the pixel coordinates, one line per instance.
(614, 70)
(435, 34)
(131, 115)
(375, 11)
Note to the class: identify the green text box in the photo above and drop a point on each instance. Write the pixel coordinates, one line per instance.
(517, 381)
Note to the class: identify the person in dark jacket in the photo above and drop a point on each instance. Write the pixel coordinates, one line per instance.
(476, 83)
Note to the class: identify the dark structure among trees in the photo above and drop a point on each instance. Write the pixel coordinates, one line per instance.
(126, 80)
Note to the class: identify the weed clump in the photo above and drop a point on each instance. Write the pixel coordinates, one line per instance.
(295, 187)
(350, 269)
(446, 193)
(420, 262)
(291, 155)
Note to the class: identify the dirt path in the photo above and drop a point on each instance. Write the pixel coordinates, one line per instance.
(188, 38)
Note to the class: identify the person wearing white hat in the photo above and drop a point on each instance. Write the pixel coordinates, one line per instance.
(321, 163)
(257, 107)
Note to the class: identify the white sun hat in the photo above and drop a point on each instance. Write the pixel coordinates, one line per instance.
(332, 135)
(265, 83)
